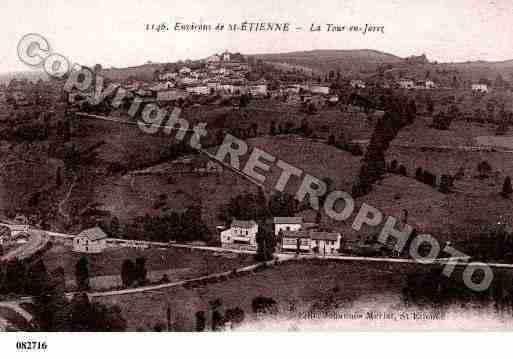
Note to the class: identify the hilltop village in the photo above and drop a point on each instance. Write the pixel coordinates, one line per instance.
(92, 203)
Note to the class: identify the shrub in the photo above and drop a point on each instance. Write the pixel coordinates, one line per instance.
(484, 169)
(266, 305)
(402, 171)
(393, 166)
(506, 187)
(419, 174)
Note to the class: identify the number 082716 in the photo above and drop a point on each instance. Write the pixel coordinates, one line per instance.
(31, 345)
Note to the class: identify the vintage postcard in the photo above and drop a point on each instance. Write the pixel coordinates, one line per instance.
(229, 166)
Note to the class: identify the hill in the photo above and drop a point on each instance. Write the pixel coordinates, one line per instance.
(367, 63)
(364, 60)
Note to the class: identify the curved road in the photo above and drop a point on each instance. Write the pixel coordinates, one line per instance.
(37, 241)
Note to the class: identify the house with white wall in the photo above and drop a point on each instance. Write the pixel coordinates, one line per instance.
(184, 70)
(325, 243)
(319, 89)
(406, 83)
(287, 224)
(356, 83)
(5, 234)
(480, 88)
(292, 241)
(430, 84)
(241, 234)
(322, 243)
(198, 90)
(258, 89)
(92, 240)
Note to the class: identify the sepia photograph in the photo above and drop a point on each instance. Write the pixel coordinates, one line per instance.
(271, 166)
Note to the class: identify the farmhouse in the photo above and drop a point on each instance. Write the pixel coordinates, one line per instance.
(258, 89)
(162, 86)
(357, 84)
(430, 84)
(18, 229)
(213, 59)
(480, 88)
(241, 234)
(185, 70)
(199, 90)
(92, 240)
(226, 56)
(227, 87)
(406, 83)
(319, 89)
(168, 76)
(5, 234)
(287, 224)
(323, 243)
(295, 241)
(171, 95)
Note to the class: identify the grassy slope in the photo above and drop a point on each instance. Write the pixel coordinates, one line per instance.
(362, 286)
(189, 264)
(296, 284)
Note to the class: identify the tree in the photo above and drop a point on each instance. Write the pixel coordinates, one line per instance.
(200, 321)
(82, 274)
(254, 129)
(411, 111)
(217, 318)
(246, 206)
(97, 69)
(429, 178)
(331, 140)
(263, 304)
(140, 271)
(445, 183)
(94, 317)
(272, 128)
(37, 279)
(127, 273)
(484, 169)
(460, 174)
(266, 244)
(305, 128)
(234, 316)
(442, 121)
(419, 174)
(282, 205)
(374, 165)
(58, 177)
(71, 160)
(393, 166)
(244, 100)
(507, 190)
(430, 106)
(114, 227)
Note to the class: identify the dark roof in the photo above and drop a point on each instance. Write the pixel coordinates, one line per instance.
(323, 236)
(288, 220)
(93, 234)
(296, 234)
(243, 224)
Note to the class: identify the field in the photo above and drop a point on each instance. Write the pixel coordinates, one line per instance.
(312, 157)
(130, 197)
(177, 263)
(297, 287)
(290, 284)
(127, 197)
(473, 202)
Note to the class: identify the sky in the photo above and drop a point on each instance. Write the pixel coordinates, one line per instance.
(113, 33)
